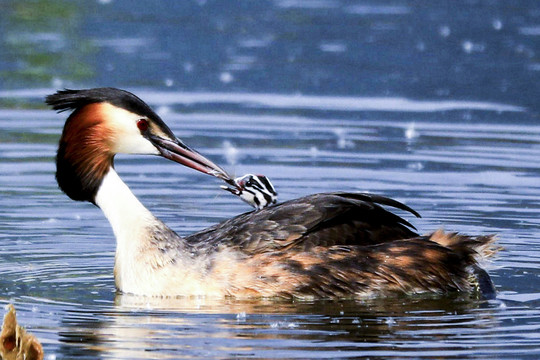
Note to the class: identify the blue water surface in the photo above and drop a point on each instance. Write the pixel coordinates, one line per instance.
(432, 103)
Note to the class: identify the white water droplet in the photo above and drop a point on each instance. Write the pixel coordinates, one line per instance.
(57, 82)
(283, 324)
(415, 166)
(231, 152)
(410, 132)
(445, 31)
(163, 110)
(226, 77)
(188, 67)
(342, 141)
(469, 47)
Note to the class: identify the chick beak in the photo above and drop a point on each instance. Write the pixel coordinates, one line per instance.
(179, 152)
(234, 188)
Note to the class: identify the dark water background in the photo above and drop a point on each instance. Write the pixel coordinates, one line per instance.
(432, 103)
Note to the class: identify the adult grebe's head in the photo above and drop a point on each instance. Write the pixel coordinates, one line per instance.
(108, 121)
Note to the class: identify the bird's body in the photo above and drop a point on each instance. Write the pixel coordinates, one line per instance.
(324, 245)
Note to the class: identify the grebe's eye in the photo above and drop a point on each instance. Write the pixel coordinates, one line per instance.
(142, 124)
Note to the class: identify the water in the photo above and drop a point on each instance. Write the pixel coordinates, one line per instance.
(434, 105)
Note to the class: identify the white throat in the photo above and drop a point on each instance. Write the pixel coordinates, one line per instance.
(127, 216)
(130, 222)
(150, 258)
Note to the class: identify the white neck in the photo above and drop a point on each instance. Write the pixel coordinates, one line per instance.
(150, 258)
(127, 216)
(130, 222)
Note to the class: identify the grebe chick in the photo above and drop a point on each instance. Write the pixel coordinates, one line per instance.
(256, 190)
(329, 245)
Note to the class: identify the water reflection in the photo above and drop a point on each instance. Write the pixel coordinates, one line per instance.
(138, 327)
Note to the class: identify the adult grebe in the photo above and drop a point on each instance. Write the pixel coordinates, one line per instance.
(324, 245)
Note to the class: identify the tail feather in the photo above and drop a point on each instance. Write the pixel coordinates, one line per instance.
(468, 247)
(473, 251)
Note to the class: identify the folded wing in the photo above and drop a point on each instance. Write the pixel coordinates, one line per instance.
(326, 219)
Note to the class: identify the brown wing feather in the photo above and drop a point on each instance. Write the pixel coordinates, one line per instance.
(403, 266)
(345, 245)
(317, 220)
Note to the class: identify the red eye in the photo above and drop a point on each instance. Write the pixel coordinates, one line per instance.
(142, 124)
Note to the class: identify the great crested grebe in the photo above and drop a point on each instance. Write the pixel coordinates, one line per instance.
(256, 190)
(326, 245)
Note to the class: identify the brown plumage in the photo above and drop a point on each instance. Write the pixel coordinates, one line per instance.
(324, 245)
(84, 154)
(346, 245)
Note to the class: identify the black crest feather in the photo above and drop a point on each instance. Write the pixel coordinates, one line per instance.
(68, 99)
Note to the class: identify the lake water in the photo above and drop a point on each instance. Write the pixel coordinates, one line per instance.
(435, 105)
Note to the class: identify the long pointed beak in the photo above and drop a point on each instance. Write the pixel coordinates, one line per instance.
(179, 152)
